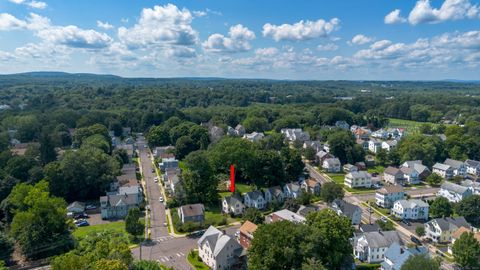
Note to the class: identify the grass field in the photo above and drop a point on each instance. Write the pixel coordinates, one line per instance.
(338, 178)
(409, 125)
(242, 188)
(117, 226)
(377, 169)
(195, 261)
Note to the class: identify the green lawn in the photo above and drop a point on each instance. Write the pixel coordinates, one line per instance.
(338, 178)
(195, 261)
(242, 188)
(117, 226)
(409, 125)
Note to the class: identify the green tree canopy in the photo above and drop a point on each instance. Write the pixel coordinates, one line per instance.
(420, 262)
(331, 191)
(466, 251)
(469, 208)
(440, 207)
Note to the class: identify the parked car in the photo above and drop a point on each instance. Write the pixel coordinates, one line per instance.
(90, 207)
(415, 240)
(155, 179)
(83, 223)
(406, 222)
(80, 216)
(160, 199)
(383, 219)
(153, 170)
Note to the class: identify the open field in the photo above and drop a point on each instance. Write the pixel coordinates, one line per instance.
(117, 226)
(409, 125)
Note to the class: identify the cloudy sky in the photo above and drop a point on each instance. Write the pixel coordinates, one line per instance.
(301, 39)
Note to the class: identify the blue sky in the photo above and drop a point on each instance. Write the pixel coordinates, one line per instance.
(301, 39)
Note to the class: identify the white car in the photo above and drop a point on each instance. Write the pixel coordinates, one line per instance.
(155, 179)
(160, 199)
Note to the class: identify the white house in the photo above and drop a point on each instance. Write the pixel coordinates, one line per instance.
(410, 175)
(393, 176)
(254, 199)
(218, 250)
(443, 170)
(274, 194)
(440, 230)
(374, 145)
(410, 209)
(396, 256)
(459, 167)
(295, 134)
(321, 156)
(473, 167)
(453, 192)
(233, 205)
(422, 170)
(315, 145)
(370, 247)
(389, 145)
(284, 214)
(358, 179)
(351, 211)
(474, 186)
(311, 186)
(386, 196)
(332, 165)
(292, 190)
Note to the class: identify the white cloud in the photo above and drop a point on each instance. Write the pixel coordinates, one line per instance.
(423, 12)
(104, 25)
(160, 26)
(266, 52)
(301, 30)
(32, 4)
(394, 17)
(75, 37)
(237, 41)
(180, 52)
(199, 13)
(327, 47)
(9, 22)
(361, 39)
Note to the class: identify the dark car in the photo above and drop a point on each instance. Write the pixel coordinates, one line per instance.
(80, 215)
(196, 234)
(83, 223)
(415, 240)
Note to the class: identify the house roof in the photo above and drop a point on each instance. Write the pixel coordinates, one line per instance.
(462, 230)
(254, 195)
(305, 210)
(411, 203)
(322, 154)
(76, 204)
(312, 183)
(398, 255)
(406, 170)
(275, 191)
(440, 166)
(448, 222)
(332, 161)
(217, 240)
(472, 163)
(248, 228)
(369, 227)
(390, 189)
(294, 187)
(453, 163)
(234, 199)
(347, 209)
(359, 174)
(452, 187)
(391, 170)
(191, 210)
(286, 214)
(382, 238)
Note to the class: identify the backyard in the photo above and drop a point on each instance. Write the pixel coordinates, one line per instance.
(195, 261)
(409, 125)
(116, 226)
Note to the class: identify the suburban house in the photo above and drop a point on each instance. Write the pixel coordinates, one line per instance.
(162, 150)
(233, 205)
(364, 143)
(374, 227)
(168, 163)
(393, 176)
(459, 167)
(422, 170)
(370, 247)
(315, 145)
(474, 186)
(304, 211)
(396, 256)
(386, 196)
(76, 207)
(321, 156)
(350, 168)
(453, 192)
(443, 170)
(358, 179)
(374, 145)
(240, 130)
(331, 165)
(175, 185)
(351, 211)
(117, 203)
(440, 230)
(274, 194)
(284, 214)
(410, 209)
(342, 125)
(292, 190)
(246, 234)
(295, 134)
(361, 165)
(389, 145)
(311, 186)
(218, 250)
(254, 199)
(410, 175)
(459, 233)
(473, 167)
(254, 136)
(191, 213)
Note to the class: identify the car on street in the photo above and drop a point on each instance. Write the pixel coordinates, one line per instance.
(155, 180)
(406, 222)
(415, 240)
(165, 224)
(160, 199)
(383, 219)
(82, 223)
(153, 170)
(80, 216)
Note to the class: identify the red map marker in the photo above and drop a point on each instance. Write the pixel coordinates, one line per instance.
(232, 178)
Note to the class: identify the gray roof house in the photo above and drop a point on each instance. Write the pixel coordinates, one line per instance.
(422, 170)
(321, 156)
(453, 192)
(440, 230)
(459, 167)
(292, 190)
(274, 194)
(191, 212)
(218, 250)
(331, 165)
(254, 199)
(371, 246)
(396, 256)
(444, 170)
(117, 203)
(353, 212)
(233, 205)
(473, 167)
(76, 207)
